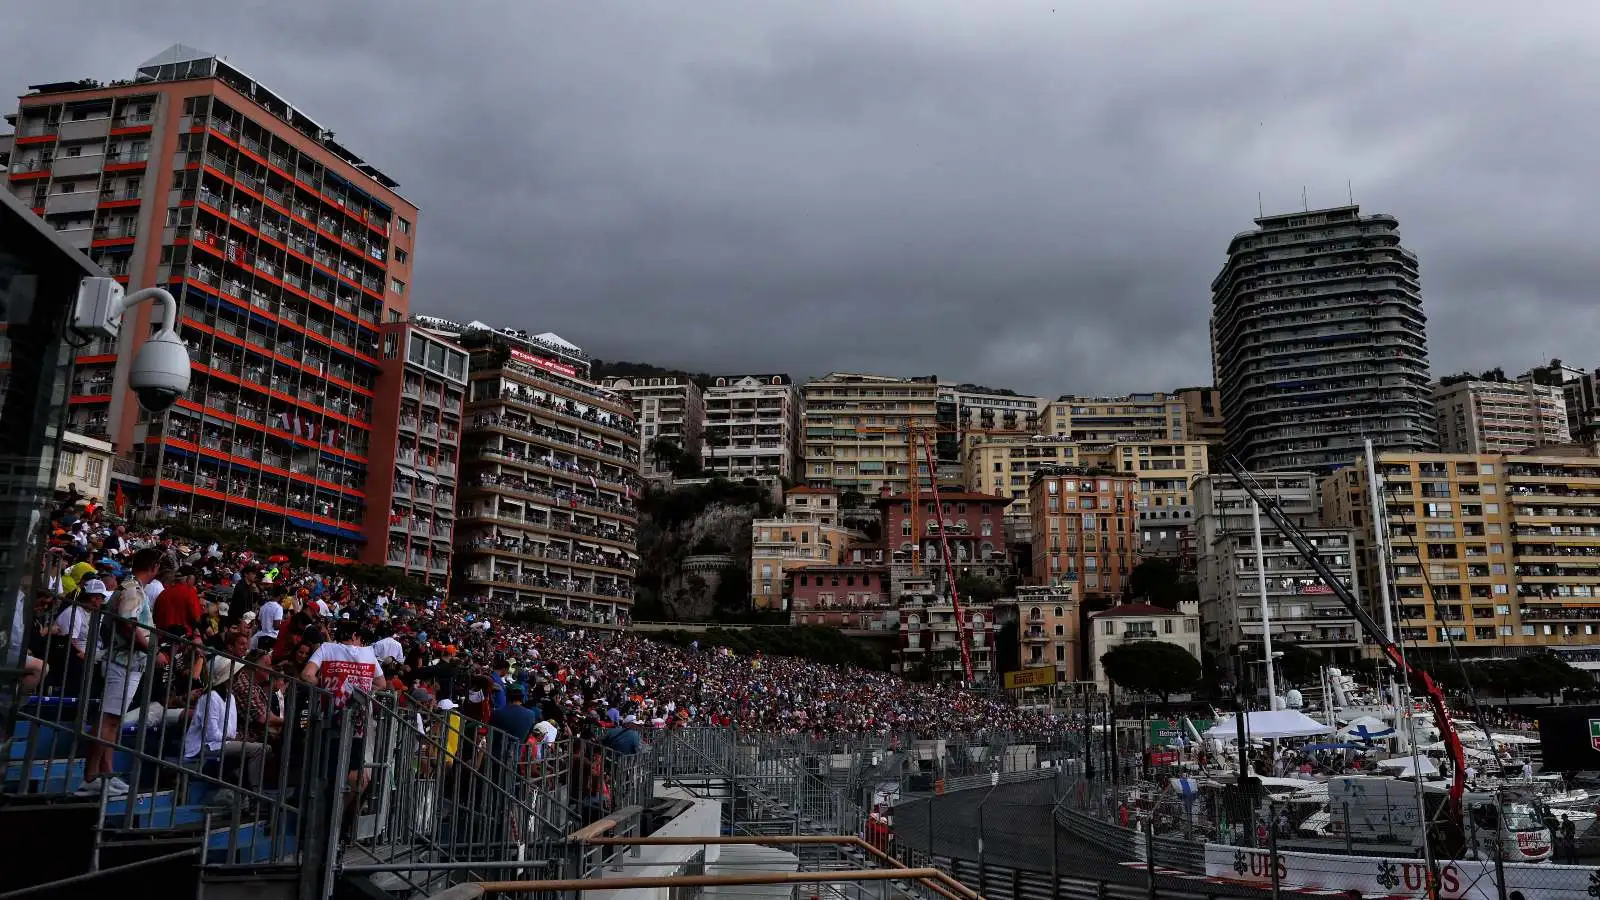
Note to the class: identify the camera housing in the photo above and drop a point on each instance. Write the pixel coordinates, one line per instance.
(160, 372)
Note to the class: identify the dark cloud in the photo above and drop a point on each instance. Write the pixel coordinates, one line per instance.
(1020, 194)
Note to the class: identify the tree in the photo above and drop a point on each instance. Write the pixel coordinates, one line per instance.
(1300, 665)
(1161, 583)
(1152, 667)
(978, 588)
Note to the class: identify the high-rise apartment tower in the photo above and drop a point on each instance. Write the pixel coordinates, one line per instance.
(1318, 341)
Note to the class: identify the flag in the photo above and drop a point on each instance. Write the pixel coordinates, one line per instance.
(594, 484)
(121, 502)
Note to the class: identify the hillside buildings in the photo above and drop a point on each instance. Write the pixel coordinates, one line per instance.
(752, 427)
(549, 474)
(857, 431)
(1129, 622)
(1107, 420)
(668, 408)
(1319, 341)
(1478, 416)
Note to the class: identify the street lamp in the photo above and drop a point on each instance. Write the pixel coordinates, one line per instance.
(160, 371)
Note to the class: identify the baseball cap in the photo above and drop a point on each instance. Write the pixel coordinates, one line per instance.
(95, 586)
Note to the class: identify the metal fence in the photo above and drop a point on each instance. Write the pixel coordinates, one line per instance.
(236, 764)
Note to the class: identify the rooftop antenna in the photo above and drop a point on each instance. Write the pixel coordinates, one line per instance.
(1304, 204)
(1350, 189)
(1260, 212)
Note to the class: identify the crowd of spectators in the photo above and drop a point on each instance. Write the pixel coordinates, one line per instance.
(211, 607)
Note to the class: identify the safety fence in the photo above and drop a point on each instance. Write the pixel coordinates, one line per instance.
(234, 764)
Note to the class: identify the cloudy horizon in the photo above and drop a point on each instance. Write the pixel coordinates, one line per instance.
(1028, 195)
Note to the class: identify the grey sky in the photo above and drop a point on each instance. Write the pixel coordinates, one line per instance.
(1024, 194)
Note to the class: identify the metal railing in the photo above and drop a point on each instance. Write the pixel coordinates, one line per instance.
(250, 763)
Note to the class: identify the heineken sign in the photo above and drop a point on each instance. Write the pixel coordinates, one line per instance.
(1594, 733)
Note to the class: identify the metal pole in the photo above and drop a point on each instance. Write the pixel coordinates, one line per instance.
(983, 888)
(1272, 848)
(1380, 549)
(1266, 615)
(1500, 845)
(1149, 853)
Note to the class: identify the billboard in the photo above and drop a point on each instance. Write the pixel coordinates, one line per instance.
(1569, 738)
(549, 365)
(1040, 677)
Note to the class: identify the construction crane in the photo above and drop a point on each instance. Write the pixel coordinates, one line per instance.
(1391, 650)
(927, 436)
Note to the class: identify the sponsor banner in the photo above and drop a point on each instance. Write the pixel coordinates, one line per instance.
(1396, 877)
(549, 365)
(1045, 675)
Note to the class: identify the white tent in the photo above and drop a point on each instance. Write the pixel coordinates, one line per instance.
(1268, 724)
(1499, 738)
(1402, 766)
(1366, 728)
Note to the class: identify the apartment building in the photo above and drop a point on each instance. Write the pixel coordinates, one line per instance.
(1165, 500)
(932, 632)
(1478, 416)
(422, 389)
(1006, 464)
(286, 251)
(1127, 623)
(1301, 608)
(1047, 628)
(550, 472)
(1318, 341)
(1107, 420)
(808, 534)
(668, 408)
(1085, 529)
(856, 434)
(85, 468)
(1493, 553)
(752, 427)
(1578, 393)
(1202, 410)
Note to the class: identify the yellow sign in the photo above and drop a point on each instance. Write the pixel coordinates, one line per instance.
(1045, 675)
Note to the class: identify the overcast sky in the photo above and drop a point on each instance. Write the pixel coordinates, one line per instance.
(1024, 194)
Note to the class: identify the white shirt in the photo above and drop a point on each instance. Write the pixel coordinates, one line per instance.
(388, 648)
(151, 592)
(74, 623)
(215, 720)
(271, 615)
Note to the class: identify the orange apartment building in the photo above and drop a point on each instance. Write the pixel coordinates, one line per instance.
(287, 254)
(1085, 529)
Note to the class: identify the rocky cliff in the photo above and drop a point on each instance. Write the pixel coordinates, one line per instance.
(701, 520)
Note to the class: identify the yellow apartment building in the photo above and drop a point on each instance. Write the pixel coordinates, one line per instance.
(1489, 551)
(1157, 416)
(854, 430)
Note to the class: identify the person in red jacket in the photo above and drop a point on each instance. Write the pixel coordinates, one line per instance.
(178, 607)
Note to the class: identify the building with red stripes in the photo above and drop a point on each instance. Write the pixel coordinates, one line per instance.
(287, 253)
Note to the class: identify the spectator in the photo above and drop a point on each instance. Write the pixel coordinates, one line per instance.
(124, 668)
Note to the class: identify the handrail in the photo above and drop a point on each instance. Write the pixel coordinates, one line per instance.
(610, 884)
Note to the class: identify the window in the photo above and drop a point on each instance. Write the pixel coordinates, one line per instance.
(396, 285)
(400, 256)
(1166, 626)
(404, 223)
(1111, 629)
(93, 467)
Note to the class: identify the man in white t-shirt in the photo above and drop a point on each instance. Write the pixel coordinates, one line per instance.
(269, 619)
(123, 672)
(387, 647)
(345, 667)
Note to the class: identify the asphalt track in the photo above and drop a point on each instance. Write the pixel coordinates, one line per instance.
(1016, 826)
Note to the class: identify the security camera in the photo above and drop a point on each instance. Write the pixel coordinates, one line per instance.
(160, 373)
